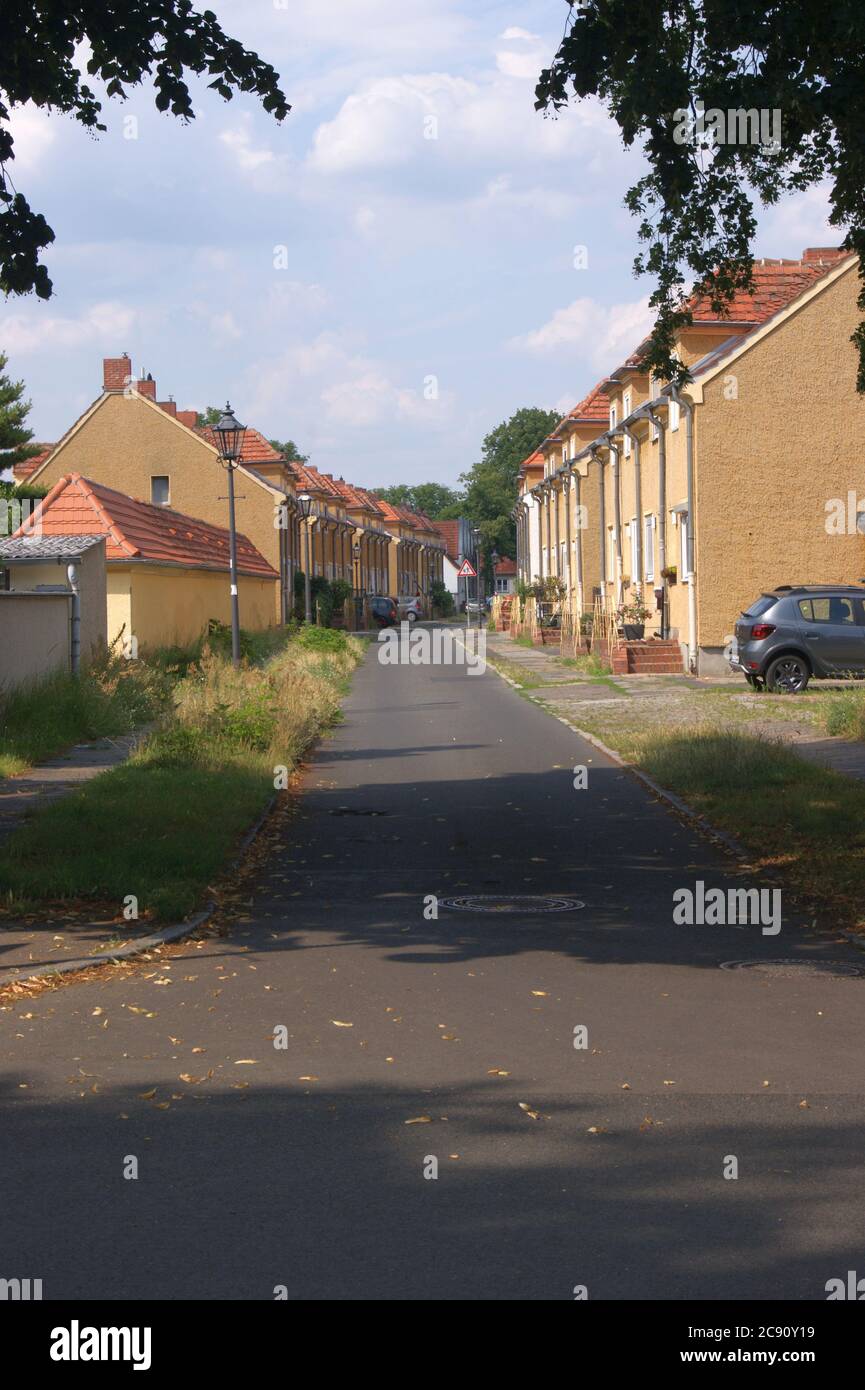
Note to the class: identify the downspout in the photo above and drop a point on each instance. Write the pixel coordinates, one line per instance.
(547, 497)
(617, 517)
(75, 625)
(566, 481)
(692, 578)
(578, 542)
(662, 510)
(540, 536)
(602, 515)
(638, 508)
(557, 492)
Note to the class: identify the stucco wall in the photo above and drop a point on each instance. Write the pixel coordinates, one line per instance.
(126, 441)
(91, 587)
(34, 636)
(770, 459)
(171, 607)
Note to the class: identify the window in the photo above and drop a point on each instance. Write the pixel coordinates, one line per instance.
(160, 491)
(827, 610)
(654, 388)
(649, 547)
(612, 417)
(633, 537)
(611, 571)
(674, 415)
(626, 410)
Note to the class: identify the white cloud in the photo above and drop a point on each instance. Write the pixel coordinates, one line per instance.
(387, 124)
(526, 59)
(33, 134)
(36, 331)
(239, 141)
(800, 220)
(602, 332)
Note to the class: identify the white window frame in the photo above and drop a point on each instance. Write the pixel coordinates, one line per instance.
(675, 413)
(626, 410)
(611, 573)
(632, 548)
(649, 528)
(613, 420)
(161, 477)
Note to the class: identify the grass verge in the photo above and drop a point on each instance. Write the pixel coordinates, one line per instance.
(159, 827)
(792, 815)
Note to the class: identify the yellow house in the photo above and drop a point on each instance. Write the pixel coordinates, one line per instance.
(151, 451)
(167, 574)
(747, 478)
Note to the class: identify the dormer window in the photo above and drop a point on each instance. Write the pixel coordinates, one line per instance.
(160, 490)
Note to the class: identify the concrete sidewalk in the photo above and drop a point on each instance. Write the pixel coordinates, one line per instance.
(28, 944)
(575, 690)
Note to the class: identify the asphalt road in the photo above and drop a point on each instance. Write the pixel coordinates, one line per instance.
(558, 1166)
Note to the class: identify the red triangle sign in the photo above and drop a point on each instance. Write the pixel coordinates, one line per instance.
(467, 571)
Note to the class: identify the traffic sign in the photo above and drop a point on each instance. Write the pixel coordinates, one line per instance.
(467, 571)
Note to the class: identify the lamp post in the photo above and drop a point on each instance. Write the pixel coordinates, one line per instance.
(229, 441)
(476, 541)
(304, 502)
(494, 560)
(358, 592)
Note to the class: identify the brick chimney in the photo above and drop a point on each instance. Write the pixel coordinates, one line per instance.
(823, 253)
(188, 418)
(116, 372)
(146, 386)
(169, 407)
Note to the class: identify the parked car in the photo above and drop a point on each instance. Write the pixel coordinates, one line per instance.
(384, 611)
(796, 632)
(411, 609)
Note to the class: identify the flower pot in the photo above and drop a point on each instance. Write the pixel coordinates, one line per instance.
(633, 631)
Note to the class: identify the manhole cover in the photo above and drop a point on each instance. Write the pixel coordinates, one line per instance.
(491, 902)
(791, 968)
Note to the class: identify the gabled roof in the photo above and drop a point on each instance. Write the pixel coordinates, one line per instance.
(450, 534)
(534, 460)
(254, 449)
(593, 408)
(22, 471)
(138, 530)
(506, 566)
(777, 285)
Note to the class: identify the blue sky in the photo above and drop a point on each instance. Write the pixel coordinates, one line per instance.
(385, 276)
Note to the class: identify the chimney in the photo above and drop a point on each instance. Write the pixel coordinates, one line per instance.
(116, 372)
(146, 386)
(187, 418)
(169, 407)
(823, 253)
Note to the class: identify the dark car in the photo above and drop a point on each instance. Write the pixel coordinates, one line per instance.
(385, 612)
(794, 632)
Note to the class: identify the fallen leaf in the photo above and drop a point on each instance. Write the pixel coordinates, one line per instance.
(337, 1023)
(147, 1095)
(419, 1120)
(246, 1062)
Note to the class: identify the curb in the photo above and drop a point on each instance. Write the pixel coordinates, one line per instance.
(729, 842)
(145, 943)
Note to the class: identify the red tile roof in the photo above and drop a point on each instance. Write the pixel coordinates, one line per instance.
(22, 471)
(535, 460)
(138, 530)
(777, 283)
(594, 407)
(506, 566)
(254, 449)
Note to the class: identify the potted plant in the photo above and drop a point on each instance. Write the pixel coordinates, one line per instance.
(669, 572)
(632, 617)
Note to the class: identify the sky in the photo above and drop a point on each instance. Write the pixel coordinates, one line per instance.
(411, 256)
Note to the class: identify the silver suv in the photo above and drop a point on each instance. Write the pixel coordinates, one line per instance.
(798, 631)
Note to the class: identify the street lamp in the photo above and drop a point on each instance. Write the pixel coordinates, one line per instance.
(358, 593)
(229, 442)
(494, 560)
(476, 541)
(304, 502)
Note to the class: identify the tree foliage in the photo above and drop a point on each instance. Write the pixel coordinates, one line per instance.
(128, 41)
(432, 498)
(15, 438)
(491, 484)
(654, 61)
